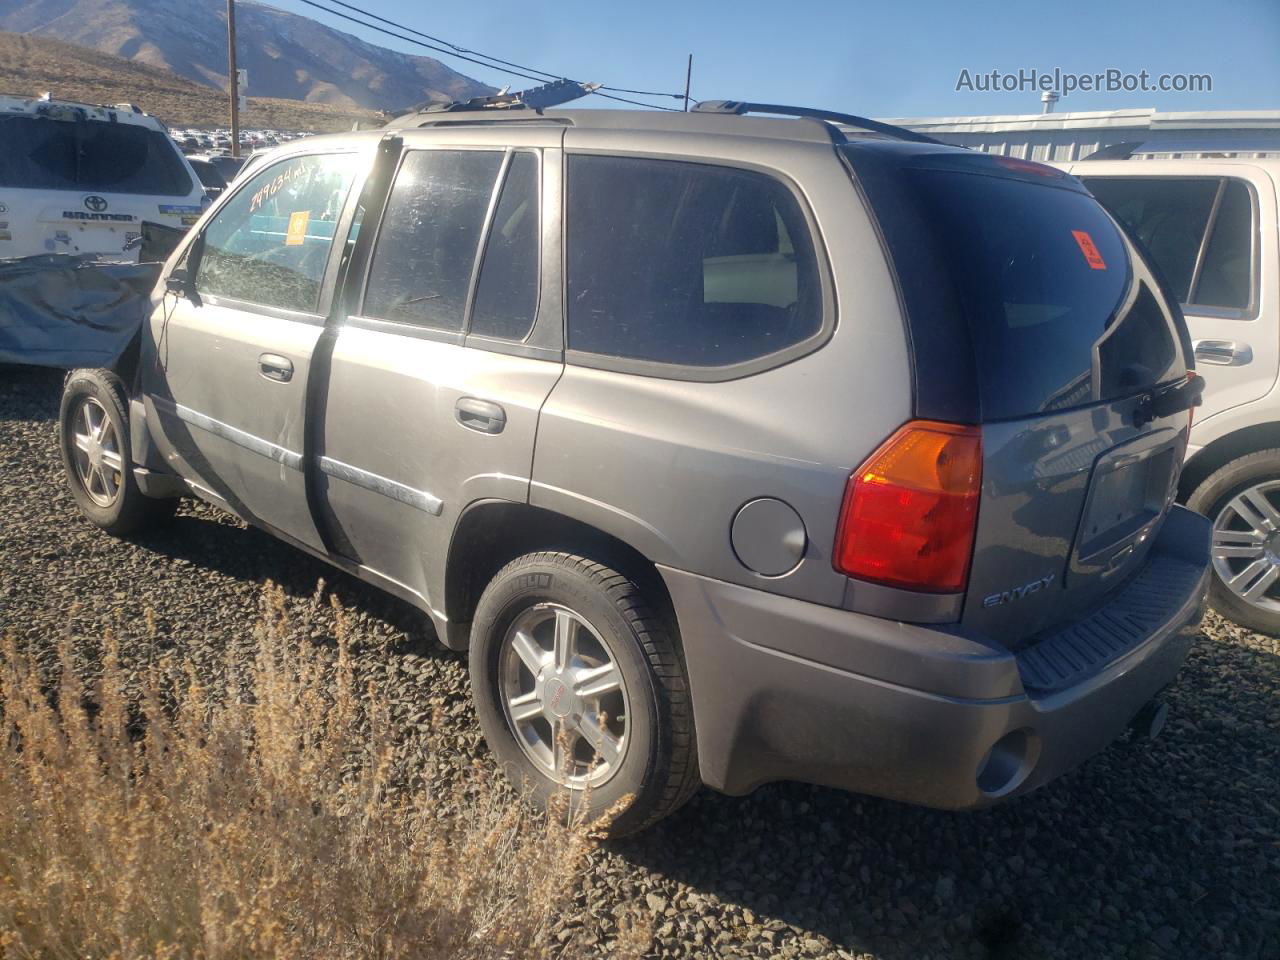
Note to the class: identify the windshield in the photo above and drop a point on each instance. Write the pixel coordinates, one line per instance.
(41, 153)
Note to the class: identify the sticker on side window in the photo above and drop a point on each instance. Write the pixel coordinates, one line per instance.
(297, 231)
(1091, 254)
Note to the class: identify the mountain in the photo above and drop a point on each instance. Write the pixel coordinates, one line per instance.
(286, 55)
(31, 65)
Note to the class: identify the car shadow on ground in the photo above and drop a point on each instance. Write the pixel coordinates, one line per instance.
(33, 392)
(209, 539)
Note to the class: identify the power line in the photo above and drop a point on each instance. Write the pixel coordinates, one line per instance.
(512, 69)
(506, 63)
(638, 103)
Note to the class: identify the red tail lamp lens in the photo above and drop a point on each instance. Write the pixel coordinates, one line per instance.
(911, 510)
(1019, 165)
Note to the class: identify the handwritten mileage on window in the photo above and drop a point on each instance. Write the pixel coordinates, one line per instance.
(273, 186)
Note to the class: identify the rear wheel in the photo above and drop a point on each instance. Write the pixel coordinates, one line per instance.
(581, 692)
(1243, 501)
(93, 435)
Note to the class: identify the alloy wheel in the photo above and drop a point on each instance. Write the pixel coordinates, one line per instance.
(96, 452)
(1246, 545)
(563, 695)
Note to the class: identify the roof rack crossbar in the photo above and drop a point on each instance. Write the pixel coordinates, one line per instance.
(1116, 151)
(740, 107)
(535, 98)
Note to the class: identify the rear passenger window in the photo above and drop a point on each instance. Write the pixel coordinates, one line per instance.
(1171, 215)
(1168, 216)
(426, 249)
(270, 243)
(507, 291)
(686, 263)
(1226, 276)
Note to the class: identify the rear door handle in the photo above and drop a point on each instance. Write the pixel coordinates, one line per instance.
(1223, 353)
(275, 367)
(480, 415)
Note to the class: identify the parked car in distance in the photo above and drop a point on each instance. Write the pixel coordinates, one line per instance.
(227, 165)
(77, 178)
(732, 448)
(1211, 227)
(211, 177)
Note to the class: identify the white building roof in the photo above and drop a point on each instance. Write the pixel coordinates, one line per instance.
(1145, 118)
(1072, 136)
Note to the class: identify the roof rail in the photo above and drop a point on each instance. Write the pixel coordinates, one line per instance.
(739, 107)
(535, 98)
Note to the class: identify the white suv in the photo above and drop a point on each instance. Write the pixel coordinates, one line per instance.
(1211, 226)
(77, 178)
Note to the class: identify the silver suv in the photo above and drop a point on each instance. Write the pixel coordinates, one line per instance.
(733, 448)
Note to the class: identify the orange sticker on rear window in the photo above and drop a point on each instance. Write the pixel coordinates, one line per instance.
(1091, 254)
(297, 232)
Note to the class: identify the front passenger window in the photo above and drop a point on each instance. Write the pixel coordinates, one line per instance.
(270, 243)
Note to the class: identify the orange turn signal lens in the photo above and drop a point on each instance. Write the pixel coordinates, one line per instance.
(911, 510)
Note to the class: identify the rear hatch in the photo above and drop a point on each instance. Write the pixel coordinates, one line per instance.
(69, 184)
(1032, 314)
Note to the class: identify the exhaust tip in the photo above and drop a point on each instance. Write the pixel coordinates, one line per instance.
(1008, 763)
(1150, 720)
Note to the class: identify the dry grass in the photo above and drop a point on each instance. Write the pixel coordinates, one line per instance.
(260, 816)
(31, 65)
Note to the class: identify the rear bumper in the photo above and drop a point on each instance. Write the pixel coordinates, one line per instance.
(789, 690)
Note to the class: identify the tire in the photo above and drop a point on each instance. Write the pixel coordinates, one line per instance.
(1214, 497)
(657, 767)
(101, 480)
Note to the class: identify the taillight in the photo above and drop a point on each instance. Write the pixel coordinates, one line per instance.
(1019, 165)
(911, 509)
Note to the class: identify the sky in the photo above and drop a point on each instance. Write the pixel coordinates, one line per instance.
(888, 58)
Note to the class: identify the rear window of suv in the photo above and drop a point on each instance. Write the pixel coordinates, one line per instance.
(1057, 314)
(89, 155)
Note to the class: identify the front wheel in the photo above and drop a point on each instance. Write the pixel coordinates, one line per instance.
(581, 691)
(93, 435)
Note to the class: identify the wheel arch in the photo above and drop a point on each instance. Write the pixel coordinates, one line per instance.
(1232, 446)
(125, 365)
(491, 533)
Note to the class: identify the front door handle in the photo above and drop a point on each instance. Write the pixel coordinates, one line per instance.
(275, 367)
(1223, 353)
(480, 415)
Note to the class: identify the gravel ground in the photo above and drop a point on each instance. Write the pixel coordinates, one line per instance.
(1168, 849)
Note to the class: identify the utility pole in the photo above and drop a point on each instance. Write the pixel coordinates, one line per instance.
(234, 77)
(688, 75)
